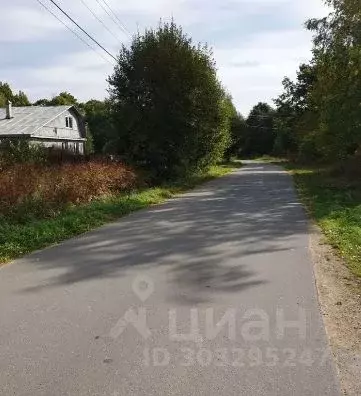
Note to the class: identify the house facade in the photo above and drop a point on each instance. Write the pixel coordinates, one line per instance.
(61, 127)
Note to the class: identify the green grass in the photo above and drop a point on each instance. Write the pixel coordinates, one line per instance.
(333, 199)
(20, 238)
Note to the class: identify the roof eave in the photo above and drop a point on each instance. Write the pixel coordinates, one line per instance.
(57, 138)
(15, 135)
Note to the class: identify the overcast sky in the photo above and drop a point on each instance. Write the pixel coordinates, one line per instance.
(256, 42)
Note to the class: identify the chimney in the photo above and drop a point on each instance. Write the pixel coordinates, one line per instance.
(9, 110)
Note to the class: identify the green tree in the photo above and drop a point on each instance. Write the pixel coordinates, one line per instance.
(63, 99)
(98, 117)
(89, 143)
(21, 99)
(260, 134)
(231, 115)
(337, 48)
(168, 105)
(296, 115)
(2, 100)
(318, 116)
(238, 134)
(42, 102)
(6, 94)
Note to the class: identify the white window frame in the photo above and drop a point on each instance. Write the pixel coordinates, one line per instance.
(69, 122)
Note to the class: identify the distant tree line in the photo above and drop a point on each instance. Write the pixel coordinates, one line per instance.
(318, 116)
(168, 113)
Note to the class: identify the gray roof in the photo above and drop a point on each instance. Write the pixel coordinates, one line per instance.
(27, 120)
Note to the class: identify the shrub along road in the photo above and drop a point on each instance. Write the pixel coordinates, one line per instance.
(132, 308)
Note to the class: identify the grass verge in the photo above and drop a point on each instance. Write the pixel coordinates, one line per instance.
(270, 159)
(333, 198)
(18, 239)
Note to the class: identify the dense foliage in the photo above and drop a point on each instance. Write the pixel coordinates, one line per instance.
(63, 99)
(259, 139)
(318, 115)
(20, 151)
(238, 127)
(170, 112)
(99, 120)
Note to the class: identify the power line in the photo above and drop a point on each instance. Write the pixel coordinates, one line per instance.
(73, 31)
(116, 17)
(85, 32)
(122, 28)
(99, 20)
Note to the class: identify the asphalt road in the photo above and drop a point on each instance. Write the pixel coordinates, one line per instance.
(132, 308)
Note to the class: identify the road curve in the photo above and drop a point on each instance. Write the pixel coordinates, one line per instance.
(209, 294)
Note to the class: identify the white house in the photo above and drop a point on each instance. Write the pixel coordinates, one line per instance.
(54, 126)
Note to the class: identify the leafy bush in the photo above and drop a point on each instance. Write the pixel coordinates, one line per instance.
(38, 190)
(349, 169)
(14, 151)
(309, 149)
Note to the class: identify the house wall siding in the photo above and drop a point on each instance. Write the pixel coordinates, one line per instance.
(57, 128)
(76, 147)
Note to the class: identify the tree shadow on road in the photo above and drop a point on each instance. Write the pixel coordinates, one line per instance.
(206, 241)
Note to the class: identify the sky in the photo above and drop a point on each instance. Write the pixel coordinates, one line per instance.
(256, 43)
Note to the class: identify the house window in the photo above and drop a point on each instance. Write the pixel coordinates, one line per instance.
(69, 122)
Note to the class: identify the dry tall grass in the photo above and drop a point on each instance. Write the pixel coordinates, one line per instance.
(53, 186)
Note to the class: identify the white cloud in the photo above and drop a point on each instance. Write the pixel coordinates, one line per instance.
(24, 23)
(254, 72)
(256, 42)
(82, 73)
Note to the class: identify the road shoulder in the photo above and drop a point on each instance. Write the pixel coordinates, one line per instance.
(340, 299)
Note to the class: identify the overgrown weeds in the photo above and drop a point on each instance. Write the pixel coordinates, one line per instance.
(26, 232)
(30, 190)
